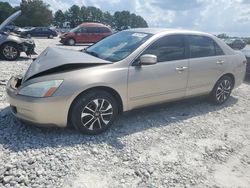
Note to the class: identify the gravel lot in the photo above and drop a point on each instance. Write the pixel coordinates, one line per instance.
(191, 143)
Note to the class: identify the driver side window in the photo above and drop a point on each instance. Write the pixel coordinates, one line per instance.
(82, 30)
(168, 48)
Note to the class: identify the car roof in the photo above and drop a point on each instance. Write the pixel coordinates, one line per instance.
(92, 24)
(155, 31)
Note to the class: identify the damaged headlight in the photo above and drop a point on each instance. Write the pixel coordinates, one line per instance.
(41, 89)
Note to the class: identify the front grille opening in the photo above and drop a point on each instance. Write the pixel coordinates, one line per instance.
(13, 109)
(18, 83)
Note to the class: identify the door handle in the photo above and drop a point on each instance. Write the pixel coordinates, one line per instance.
(180, 69)
(220, 62)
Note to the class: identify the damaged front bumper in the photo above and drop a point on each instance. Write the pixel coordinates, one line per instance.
(28, 48)
(43, 112)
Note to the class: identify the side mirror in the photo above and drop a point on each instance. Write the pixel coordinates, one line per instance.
(148, 59)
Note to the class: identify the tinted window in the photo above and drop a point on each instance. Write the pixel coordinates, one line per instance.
(201, 46)
(104, 30)
(38, 29)
(92, 30)
(168, 48)
(82, 30)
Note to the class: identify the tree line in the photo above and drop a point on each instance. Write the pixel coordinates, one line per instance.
(37, 13)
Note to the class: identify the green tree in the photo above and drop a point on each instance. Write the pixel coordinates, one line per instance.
(73, 15)
(119, 21)
(108, 19)
(34, 13)
(125, 20)
(59, 18)
(5, 11)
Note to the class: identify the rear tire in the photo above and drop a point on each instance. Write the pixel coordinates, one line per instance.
(94, 112)
(222, 90)
(10, 51)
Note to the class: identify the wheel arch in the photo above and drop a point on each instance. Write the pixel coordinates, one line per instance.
(110, 90)
(230, 75)
(9, 41)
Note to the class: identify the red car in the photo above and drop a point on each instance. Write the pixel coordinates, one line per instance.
(86, 33)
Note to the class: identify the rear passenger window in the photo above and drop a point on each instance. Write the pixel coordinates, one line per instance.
(201, 46)
(104, 30)
(168, 48)
(92, 30)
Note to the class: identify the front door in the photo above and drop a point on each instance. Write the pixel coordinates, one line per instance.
(166, 80)
(81, 35)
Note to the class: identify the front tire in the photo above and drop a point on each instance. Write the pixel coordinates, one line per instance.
(50, 36)
(10, 51)
(222, 90)
(71, 42)
(94, 112)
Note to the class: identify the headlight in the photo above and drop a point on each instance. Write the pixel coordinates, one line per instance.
(41, 89)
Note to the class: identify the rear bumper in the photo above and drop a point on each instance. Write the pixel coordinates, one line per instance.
(50, 111)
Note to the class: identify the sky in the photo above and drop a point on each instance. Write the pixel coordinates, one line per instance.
(213, 16)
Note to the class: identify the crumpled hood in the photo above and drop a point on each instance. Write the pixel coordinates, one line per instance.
(53, 59)
(10, 19)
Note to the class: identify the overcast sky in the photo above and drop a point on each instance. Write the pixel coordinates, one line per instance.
(214, 16)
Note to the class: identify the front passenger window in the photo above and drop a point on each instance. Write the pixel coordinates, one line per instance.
(168, 48)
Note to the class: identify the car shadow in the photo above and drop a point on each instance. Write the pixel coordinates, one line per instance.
(22, 58)
(16, 136)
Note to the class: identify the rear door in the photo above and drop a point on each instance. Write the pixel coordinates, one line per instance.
(206, 64)
(104, 32)
(94, 34)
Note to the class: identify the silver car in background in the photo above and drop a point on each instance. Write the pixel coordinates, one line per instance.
(128, 70)
(12, 44)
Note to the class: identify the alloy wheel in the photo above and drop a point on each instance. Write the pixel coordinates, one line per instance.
(223, 91)
(71, 42)
(10, 52)
(97, 114)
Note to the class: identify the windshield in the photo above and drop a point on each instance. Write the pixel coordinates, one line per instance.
(118, 46)
(75, 29)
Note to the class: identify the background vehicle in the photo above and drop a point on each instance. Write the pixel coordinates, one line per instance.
(127, 70)
(11, 45)
(236, 44)
(246, 52)
(86, 33)
(39, 32)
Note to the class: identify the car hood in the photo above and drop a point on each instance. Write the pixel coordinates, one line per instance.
(54, 60)
(10, 19)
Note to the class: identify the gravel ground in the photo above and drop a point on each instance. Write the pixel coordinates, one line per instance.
(191, 143)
